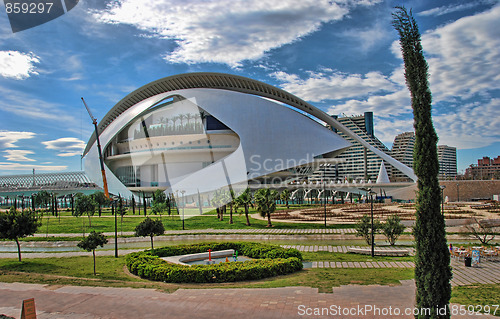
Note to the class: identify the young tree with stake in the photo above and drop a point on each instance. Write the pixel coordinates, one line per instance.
(150, 227)
(91, 242)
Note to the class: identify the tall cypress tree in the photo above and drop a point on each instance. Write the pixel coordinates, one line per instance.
(432, 258)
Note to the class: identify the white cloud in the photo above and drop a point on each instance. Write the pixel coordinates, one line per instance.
(22, 167)
(66, 146)
(393, 104)
(463, 64)
(457, 128)
(322, 86)
(9, 138)
(439, 11)
(18, 155)
(217, 31)
(17, 65)
(463, 56)
(27, 106)
(386, 129)
(370, 37)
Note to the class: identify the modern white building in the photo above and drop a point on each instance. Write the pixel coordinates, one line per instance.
(197, 133)
(402, 150)
(447, 156)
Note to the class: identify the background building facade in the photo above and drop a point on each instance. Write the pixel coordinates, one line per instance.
(358, 161)
(447, 157)
(402, 150)
(486, 168)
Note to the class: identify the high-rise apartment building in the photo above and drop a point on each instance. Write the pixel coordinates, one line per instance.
(447, 157)
(361, 163)
(402, 150)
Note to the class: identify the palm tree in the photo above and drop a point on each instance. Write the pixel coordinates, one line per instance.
(42, 198)
(245, 200)
(285, 196)
(265, 199)
(231, 204)
(174, 120)
(181, 118)
(101, 200)
(216, 199)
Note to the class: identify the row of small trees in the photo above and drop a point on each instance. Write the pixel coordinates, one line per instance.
(89, 204)
(392, 229)
(263, 199)
(148, 227)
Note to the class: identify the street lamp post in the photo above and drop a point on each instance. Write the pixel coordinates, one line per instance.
(183, 204)
(371, 211)
(442, 199)
(458, 194)
(324, 191)
(116, 226)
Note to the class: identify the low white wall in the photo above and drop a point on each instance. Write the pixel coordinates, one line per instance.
(183, 259)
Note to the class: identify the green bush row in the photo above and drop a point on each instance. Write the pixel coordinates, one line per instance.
(269, 261)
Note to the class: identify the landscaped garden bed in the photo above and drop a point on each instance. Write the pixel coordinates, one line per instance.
(267, 261)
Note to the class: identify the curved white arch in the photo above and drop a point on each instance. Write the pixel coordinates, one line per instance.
(236, 83)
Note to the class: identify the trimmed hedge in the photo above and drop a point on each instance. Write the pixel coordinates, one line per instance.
(269, 261)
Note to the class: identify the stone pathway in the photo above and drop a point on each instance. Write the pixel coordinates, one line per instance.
(487, 272)
(70, 302)
(227, 231)
(302, 248)
(341, 249)
(363, 264)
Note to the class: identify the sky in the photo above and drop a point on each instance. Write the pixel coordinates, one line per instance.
(342, 56)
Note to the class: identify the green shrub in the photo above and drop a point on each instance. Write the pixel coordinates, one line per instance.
(268, 261)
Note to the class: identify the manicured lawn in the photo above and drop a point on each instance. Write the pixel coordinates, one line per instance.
(78, 271)
(479, 298)
(325, 279)
(82, 267)
(106, 223)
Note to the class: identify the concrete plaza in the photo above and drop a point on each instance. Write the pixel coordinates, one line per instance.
(352, 301)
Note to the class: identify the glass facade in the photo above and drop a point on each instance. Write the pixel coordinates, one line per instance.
(170, 139)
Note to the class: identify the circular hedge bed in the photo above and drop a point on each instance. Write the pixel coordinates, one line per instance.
(268, 261)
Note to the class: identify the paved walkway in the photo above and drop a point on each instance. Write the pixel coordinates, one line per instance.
(343, 248)
(363, 264)
(69, 302)
(226, 231)
(302, 248)
(488, 272)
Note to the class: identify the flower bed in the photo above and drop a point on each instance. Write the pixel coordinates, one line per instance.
(268, 261)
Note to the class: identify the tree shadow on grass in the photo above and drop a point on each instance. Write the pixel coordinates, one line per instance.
(28, 265)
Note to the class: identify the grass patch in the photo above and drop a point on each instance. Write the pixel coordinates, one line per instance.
(111, 273)
(325, 279)
(108, 267)
(106, 223)
(478, 297)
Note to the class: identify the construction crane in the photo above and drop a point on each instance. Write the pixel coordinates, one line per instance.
(101, 159)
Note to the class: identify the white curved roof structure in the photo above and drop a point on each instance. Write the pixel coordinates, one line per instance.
(262, 133)
(239, 84)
